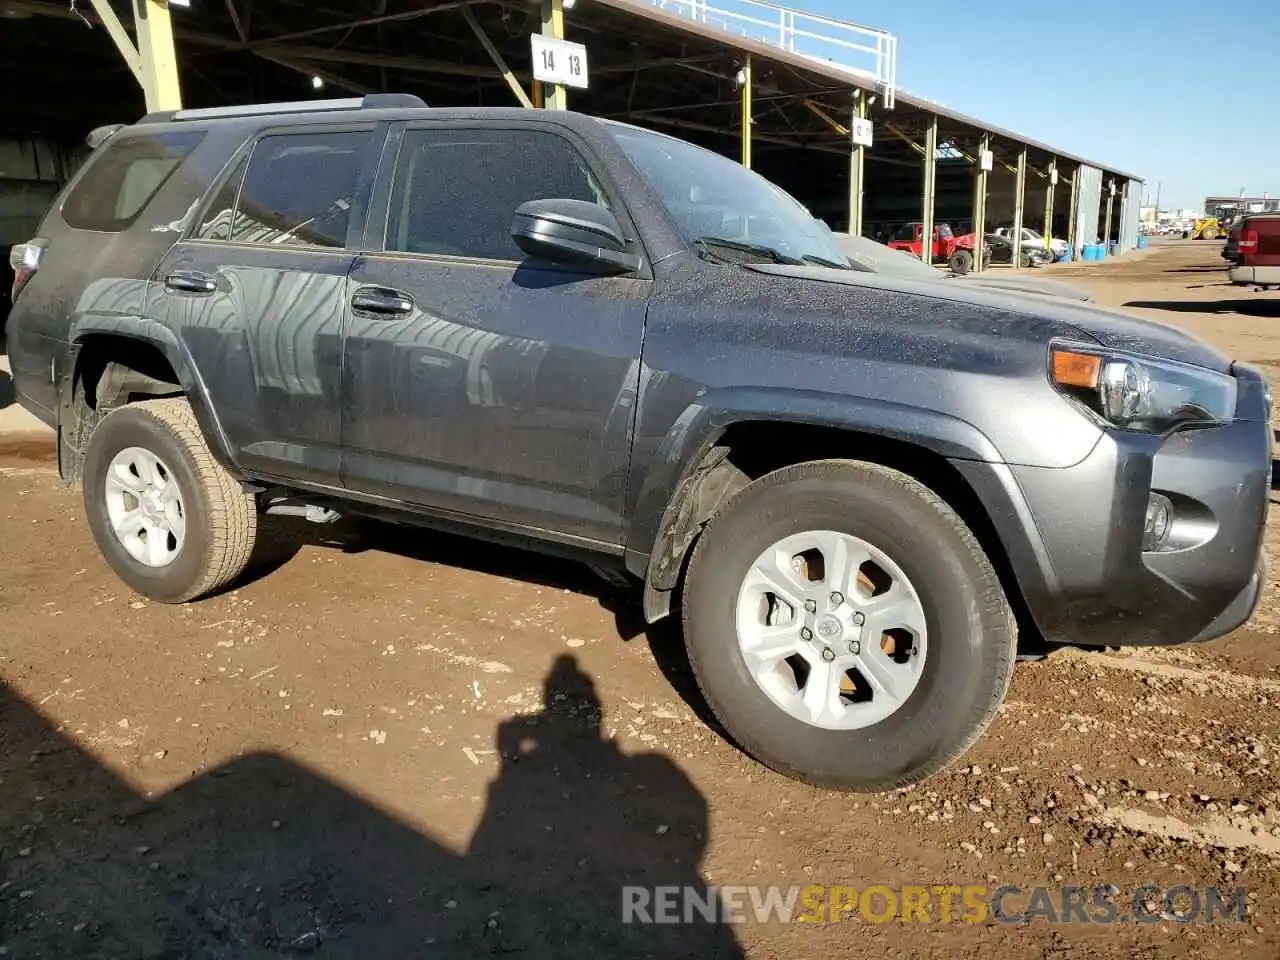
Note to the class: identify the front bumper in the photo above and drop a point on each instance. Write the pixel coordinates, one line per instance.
(1074, 536)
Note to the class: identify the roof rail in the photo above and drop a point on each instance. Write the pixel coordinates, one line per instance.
(373, 101)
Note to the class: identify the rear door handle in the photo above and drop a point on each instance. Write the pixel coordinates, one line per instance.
(190, 281)
(381, 301)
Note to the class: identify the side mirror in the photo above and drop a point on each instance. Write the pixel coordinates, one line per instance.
(572, 232)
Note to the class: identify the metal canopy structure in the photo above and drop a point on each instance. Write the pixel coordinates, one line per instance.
(684, 66)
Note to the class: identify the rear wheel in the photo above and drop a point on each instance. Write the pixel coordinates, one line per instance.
(846, 627)
(1209, 233)
(171, 522)
(961, 261)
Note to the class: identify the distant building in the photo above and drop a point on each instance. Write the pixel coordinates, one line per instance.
(1226, 207)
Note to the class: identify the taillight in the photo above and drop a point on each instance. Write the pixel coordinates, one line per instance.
(1248, 241)
(25, 261)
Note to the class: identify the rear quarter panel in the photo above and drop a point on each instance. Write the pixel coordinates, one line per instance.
(91, 281)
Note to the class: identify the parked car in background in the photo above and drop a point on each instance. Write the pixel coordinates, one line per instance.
(1029, 256)
(1253, 250)
(1030, 238)
(956, 251)
(873, 257)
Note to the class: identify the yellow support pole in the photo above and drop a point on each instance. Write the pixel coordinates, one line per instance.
(1048, 206)
(746, 114)
(930, 190)
(1071, 215)
(158, 57)
(1019, 197)
(553, 26)
(120, 37)
(857, 170)
(980, 208)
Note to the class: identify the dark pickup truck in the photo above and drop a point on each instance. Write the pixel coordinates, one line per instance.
(580, 336)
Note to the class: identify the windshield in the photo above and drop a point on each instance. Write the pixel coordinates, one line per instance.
(725, 209)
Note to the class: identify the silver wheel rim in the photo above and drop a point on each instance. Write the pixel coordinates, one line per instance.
(831, 630)
(144, 507)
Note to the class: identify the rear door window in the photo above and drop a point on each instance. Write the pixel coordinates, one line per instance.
(120, 182)
(295, 190)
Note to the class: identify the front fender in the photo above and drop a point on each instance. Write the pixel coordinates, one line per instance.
(655, 543)
(166, 341)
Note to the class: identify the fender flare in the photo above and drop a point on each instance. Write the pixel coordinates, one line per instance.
(171, 347)
(664, 527)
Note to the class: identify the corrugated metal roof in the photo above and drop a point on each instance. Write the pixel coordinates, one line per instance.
(833, 71)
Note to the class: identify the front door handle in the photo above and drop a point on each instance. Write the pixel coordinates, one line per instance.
(381, 302)
(190, 281)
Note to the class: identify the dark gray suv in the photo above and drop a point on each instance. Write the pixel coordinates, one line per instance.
(585, 337)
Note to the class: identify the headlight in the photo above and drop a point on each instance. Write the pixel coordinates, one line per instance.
(1141, 393)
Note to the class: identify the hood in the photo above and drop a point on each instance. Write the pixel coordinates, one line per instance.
(1107, 328)
(1019, 284)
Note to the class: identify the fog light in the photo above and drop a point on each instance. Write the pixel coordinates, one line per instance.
(1159, 523)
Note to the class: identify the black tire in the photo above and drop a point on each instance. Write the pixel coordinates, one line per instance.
(961, 261)
(221, 517)
(1024, 260)
(972, 636)
(1209, 233)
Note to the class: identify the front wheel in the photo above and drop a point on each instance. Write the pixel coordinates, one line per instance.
(846, 627)
(961, 261)
(171, 522)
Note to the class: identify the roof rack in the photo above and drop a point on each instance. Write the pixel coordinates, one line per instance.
(373, 101)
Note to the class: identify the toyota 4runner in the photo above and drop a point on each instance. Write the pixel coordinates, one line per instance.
(582, 336)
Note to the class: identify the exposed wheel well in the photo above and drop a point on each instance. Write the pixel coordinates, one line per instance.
(110, 372)
(748, 450)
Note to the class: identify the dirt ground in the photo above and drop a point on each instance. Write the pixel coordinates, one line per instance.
(395, 743)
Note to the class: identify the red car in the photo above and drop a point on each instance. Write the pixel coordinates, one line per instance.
(955, 251)
(1253, 250)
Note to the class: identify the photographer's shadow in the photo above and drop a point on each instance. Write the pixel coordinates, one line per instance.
(264, 857)
(571, 821)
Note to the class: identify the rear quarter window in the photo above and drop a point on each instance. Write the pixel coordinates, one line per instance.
(121, 180)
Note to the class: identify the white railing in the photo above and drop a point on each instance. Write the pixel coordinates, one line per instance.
(863, 51)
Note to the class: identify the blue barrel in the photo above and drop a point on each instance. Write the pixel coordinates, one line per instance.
(1142, 242)
(1091, 252)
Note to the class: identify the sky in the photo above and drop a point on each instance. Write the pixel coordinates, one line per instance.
(1184, 93)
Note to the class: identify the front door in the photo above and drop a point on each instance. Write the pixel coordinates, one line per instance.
(257, 295)
(477, 383)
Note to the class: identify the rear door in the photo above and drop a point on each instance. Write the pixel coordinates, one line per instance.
(476, 382)
(256, 293)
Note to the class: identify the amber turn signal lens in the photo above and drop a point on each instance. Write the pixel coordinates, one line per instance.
(1076, 369)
